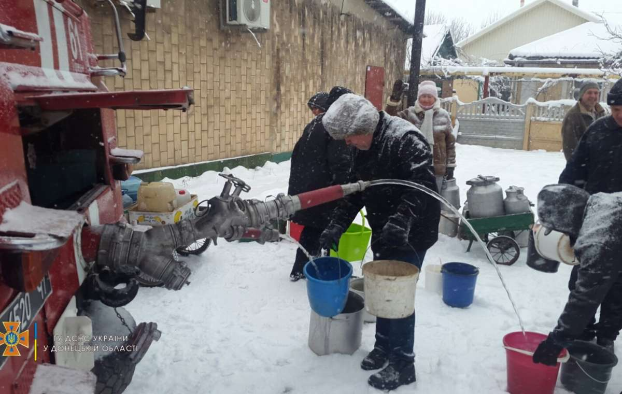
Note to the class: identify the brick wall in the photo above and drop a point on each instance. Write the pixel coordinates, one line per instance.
(249, 99)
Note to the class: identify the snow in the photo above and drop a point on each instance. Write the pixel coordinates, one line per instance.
(467, 70)
(119, 152)
(589, 40)
(28, 219)
(54, 379)
(242, 327)
(350, 115)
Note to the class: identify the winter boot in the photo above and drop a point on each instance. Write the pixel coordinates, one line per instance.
(376, 359)
(397, 373)
(296, 276)
(606, 343)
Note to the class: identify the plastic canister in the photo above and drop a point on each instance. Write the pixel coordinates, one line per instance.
(156, 197)
(183, 197)
(131, 185)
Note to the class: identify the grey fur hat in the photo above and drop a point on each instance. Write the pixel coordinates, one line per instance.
(350, 115)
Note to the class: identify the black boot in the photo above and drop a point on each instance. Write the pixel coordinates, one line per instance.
(376, 359)
(606, 343)
(397, 373)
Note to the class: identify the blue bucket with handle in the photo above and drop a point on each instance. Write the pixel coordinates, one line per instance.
(328, 285)
(459, 284)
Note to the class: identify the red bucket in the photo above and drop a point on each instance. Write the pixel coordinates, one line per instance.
(295, 230)
(524, 376)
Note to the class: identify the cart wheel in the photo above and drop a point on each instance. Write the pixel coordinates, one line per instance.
(196, 248)
(504, 250)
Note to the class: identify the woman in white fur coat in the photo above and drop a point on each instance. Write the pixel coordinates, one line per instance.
(433, 122)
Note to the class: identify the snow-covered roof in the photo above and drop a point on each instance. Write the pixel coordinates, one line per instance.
(587, 41)
(433, 37)
(575, 10)
(392, 13)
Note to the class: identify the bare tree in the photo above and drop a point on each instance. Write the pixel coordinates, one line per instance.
(490, 19)
(435, 18)
(460, 29)
(612, 60)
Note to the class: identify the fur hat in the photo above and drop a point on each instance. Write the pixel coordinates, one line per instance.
(561, 208)
(351, 114)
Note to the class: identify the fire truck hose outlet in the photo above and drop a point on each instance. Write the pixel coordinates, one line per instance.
(151, 251)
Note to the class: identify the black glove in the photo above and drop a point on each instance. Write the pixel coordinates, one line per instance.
(548, 351)
(449, 174)
(395, 232)
(330, 237)
(398, 90)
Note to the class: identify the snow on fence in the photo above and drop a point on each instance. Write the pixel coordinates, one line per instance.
(500, 124)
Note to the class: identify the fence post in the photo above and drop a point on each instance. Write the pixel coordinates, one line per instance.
(454, 112)
(529, 111)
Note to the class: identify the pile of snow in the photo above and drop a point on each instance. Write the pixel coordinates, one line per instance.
(242, 327)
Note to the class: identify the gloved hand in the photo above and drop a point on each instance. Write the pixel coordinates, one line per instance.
(548, 351)
(395, 232)
(398, 90)
(330, 237)
(449, 174)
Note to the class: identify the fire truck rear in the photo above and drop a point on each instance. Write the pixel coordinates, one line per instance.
(61, 323)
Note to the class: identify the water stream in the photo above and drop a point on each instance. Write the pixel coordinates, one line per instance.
(311, 258)
(465, 221)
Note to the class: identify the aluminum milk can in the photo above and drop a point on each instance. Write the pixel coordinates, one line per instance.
(516, 201)
(451, 193)
(485, 197)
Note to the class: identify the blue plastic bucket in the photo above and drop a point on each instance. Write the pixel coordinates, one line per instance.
(328, 289)
(459, 284)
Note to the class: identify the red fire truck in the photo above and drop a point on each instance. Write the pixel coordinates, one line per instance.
(60, 173)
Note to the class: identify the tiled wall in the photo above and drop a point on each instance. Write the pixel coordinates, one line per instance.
(249, 99)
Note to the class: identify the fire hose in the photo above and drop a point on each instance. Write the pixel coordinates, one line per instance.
(122, 246)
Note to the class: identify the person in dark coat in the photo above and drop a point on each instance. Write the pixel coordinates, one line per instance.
(594, 224)
(317, 161)
(585, 112)
(596, 166)
(404, 221)
(317, 103)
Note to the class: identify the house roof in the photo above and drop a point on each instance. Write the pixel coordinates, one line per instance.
(570, 8)
(587, 41)
(433, 37)
(390, 13)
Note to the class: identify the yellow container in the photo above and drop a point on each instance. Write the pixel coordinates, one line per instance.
(157, 197)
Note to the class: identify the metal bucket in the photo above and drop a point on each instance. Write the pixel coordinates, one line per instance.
(341, 333)
(358, 286)
(448, 224)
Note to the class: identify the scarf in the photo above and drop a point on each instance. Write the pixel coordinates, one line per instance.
(427, 127)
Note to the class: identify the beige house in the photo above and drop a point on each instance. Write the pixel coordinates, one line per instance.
(250, 91)
(532, 22)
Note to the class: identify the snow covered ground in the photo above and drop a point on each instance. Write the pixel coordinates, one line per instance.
(242, 327)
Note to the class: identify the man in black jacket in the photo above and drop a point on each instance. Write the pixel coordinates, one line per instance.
(596, 166)
(317, 161)
(404, 221)
(594, 224)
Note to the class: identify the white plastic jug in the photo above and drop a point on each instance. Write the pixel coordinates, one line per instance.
(157, 197)
(183, 197)
(434, 278)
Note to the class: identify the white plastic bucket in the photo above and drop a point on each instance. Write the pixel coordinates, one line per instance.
(434, 279)
(554, 246)
(358, 286)
(390, 287)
